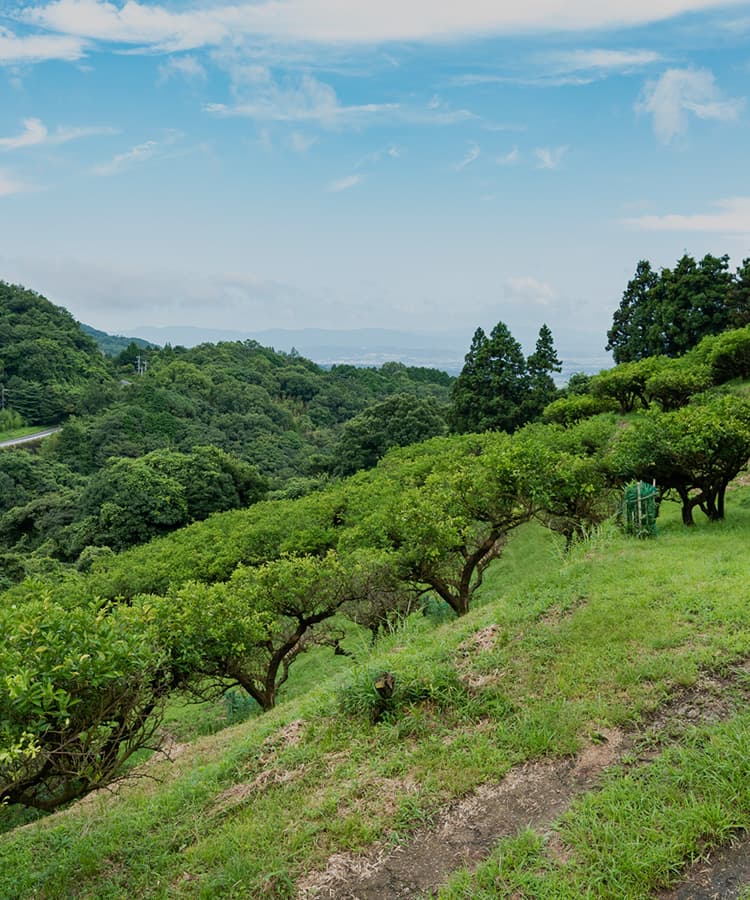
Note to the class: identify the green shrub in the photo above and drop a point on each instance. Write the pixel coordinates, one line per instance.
(81, 686)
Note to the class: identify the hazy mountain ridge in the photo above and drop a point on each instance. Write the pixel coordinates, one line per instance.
(358, 347)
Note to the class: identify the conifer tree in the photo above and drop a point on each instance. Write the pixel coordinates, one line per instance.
(540, 366)
(490, 392)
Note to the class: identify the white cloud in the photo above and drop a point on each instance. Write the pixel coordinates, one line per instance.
(36, 134)
(11, 185)
(549, 157)
(569, 68)
(331, 21)
(526, 289)
(346, 183)
(507, 159)
(392, 151)
(472, 155)
(680, 92)
(186, 67)
(603, 60)
(307, 100)
(35, 48)
(139, 154)
(731, 216)
(301, 143)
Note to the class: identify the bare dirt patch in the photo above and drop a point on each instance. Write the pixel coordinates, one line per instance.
(535, 793)
(723, 876)
(288, 736)
(530, 794)
(712, 698)
(480, 642)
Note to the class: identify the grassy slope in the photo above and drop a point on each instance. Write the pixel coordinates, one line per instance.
(594, 640)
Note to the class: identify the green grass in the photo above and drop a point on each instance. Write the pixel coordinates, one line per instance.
(580, 642)
(634, 835)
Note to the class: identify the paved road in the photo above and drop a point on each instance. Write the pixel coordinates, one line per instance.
(28, 438)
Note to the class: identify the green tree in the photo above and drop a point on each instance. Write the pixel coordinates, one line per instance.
(130, 502)
(493, 386)
(397, 421)
(695, 451)
(443, 509)
(539, 367)
(670, 312)
(629, 337)
(739, 295)
(82, 688)
(250, 630)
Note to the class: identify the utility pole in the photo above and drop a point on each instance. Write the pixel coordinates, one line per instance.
(2, 396)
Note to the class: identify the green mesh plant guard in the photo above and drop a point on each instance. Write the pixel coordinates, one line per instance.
(640, 509)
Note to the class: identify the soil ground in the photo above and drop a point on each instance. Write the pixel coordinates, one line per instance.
(536, 794)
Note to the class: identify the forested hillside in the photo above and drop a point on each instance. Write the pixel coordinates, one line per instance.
(114, 344)
(526, 601)
(156, 438)
(49, 368)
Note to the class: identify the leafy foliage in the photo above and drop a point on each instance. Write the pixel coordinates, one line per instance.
(695, 451)
(81, 686)
(46, 361)
(497, 388)
(669, 312)
(398, 421)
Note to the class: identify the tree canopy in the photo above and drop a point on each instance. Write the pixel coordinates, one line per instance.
(498, 389)
(669, 312)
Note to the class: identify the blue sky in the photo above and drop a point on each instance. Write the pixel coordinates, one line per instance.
(352, 163)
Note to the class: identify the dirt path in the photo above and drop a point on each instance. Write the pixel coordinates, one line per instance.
(531, 794)
(534, 794)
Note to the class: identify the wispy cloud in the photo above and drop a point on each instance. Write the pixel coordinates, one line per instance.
(10, 184)
(730, 216)
(345, 184)
(507, 159)
(307, 100)
(680, 93)
(35, 134)
(602, 60)
(328, 21)
(565, 68)
(36, 48)
(391, 151)
(137, 155)
(549, 157)
(472, 155)
(187, 67)
(300, 142)
(526, 289)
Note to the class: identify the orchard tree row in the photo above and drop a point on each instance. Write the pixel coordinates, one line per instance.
(89, 661)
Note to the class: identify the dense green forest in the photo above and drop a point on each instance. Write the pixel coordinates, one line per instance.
(211, 524)
(153, 439)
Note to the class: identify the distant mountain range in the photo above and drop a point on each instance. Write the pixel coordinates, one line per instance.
(327, 347)
(358, 346)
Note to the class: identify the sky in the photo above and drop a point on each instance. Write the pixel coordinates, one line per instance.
(423, 165)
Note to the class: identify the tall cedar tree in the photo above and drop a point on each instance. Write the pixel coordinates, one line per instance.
(540, 366)
(667, 313)
(497, 389)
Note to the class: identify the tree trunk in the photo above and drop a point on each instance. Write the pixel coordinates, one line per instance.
(687, 507)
